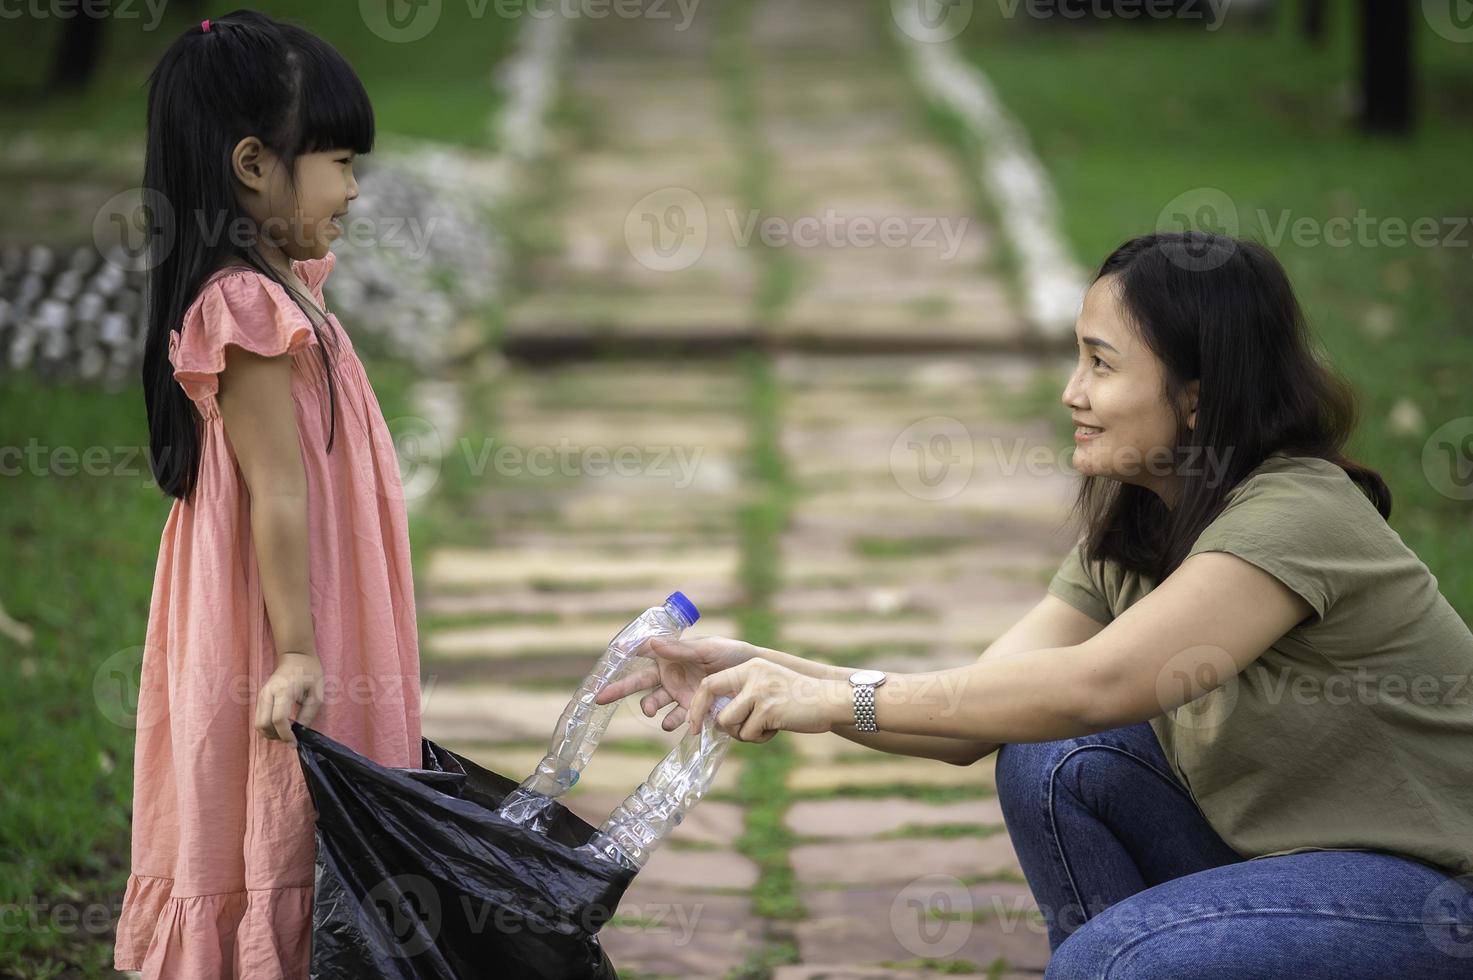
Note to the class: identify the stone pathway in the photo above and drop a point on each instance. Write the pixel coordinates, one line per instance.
(917, 526)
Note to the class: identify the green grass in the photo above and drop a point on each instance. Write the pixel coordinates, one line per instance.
(436, 87)
(1126, 119)
(79, 566)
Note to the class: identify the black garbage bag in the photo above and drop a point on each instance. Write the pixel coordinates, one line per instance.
(418, 877)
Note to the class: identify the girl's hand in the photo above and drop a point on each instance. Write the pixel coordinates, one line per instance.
(296, 680)
(680, 665)
(767, 698)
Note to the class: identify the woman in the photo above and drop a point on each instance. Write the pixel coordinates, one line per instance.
(1235, 734)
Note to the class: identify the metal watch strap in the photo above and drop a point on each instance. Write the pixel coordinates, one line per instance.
(864, 708)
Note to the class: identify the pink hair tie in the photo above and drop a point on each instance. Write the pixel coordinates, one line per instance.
(204, 26)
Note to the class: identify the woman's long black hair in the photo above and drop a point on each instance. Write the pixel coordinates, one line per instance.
(248, 75)
(1220, 311)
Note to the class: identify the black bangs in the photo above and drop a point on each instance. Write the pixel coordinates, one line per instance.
(333, 107)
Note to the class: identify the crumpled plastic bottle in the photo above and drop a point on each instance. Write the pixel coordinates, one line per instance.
(583, 723)
(638, 825)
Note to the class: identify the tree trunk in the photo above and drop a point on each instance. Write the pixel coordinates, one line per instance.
(1312, 17)
(80, 47)
(1386, 66)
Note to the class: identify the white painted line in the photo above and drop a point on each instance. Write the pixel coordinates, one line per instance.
(1053, 283)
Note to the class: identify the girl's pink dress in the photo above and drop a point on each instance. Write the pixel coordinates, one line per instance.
(221, 883)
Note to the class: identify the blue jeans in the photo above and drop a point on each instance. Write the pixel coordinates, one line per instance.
(1135, 884)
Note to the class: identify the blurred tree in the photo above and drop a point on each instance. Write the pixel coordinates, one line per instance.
(1386, 66)
(80, 48)
(1312, 17)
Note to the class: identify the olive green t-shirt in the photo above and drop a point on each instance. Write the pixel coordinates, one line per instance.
(1354, 731)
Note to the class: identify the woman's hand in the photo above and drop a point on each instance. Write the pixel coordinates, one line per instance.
(767, 698)
(680, 666)
(296, 680)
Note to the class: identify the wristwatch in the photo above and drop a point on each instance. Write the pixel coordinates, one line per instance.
(863, 683)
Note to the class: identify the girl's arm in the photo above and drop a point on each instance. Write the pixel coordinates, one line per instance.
(256, 406)
(1051, 623)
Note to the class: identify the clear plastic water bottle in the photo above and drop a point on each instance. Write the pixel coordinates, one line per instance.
(638, 825)
(582, 724)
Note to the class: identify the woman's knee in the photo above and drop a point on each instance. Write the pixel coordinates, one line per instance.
(1023, 767)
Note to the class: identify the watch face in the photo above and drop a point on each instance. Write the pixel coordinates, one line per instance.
(867, 677)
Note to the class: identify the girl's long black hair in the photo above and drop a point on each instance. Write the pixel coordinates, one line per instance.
(248, 75)
(1221, 311)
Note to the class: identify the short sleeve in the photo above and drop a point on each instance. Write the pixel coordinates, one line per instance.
(1303, 528)
(1075, 585)
(245, 309)
(314, 272)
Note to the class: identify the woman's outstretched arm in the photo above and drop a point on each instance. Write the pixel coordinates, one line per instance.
(1051, 623)
(1194, 632)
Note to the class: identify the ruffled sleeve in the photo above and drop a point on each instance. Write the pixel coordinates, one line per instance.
(314, 272)
(245, 309)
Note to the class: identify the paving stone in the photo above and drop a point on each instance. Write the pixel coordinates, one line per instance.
(904, 859)
(568, 604)
(610, 771)
(677, 933)
(978, 622)
(699, 869)
(712, 822)
(469, 567)
(531, 639)
(869, 818)
(812, 777)
(899, 923)
(499, 713)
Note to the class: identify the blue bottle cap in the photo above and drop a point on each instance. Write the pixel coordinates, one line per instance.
(684, 606)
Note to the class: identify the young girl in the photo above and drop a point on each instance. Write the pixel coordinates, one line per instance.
(283, 582)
